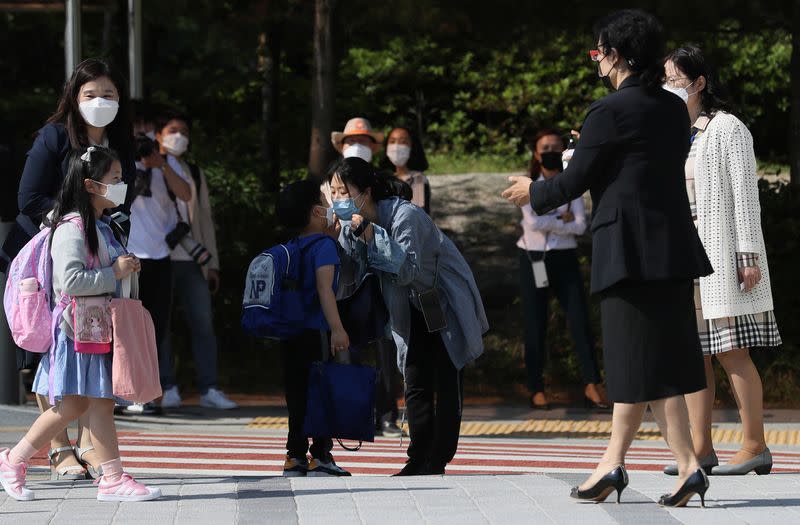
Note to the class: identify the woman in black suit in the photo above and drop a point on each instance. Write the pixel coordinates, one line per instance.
(630, 156)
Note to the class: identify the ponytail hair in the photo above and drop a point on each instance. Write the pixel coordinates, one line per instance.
(358, 173)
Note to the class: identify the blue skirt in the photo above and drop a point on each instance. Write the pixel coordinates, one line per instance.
(74, 374)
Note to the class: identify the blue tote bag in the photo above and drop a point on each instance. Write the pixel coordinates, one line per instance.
(341, 402)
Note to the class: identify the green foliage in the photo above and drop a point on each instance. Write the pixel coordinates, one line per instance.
(475, 79)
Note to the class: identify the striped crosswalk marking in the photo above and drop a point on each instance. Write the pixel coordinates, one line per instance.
(249, 455)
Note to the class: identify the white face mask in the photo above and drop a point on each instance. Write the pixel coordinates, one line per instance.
(150, 135)
(116, 193)
(358, 150)
(175, 143)
(99, 112)
(398, 154)
(681, 92)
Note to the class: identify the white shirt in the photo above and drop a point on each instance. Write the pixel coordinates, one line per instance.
(152, 218)
(542, 233)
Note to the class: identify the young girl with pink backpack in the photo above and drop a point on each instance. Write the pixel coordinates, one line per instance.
(89, 267)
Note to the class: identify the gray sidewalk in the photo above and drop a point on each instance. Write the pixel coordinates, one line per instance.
(460, 500)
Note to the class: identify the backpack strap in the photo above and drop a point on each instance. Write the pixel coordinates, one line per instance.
(288, 259)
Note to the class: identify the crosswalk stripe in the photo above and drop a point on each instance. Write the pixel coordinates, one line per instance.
(153, 453)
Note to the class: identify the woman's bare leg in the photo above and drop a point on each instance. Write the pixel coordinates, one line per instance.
(672, 417)
(748, 392)
(701, 406)
(625, 422)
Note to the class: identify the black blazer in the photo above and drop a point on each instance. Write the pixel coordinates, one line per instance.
(631, 156)
(46, 167)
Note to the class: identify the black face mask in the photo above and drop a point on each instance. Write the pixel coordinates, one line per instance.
(604, 78)
(551, 160)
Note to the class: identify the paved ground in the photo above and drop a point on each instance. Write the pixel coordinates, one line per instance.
(502, 499)
(216, 468)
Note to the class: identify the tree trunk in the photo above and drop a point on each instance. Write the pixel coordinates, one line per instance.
(322, 88)
(108, 25)
(794, 126)
(269, 67)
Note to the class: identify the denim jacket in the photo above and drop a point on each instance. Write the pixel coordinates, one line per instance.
(405, 252)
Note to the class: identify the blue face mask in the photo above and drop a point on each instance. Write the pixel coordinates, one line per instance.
(345, 208)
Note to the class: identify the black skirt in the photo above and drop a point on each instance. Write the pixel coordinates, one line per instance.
(651, 349)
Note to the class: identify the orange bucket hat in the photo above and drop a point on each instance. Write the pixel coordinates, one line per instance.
(354, 127)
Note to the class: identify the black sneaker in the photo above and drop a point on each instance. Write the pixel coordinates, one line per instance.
(413, 468)
(326, 467)
(295, 467)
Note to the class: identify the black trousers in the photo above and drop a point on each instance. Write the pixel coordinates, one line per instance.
(155, 291)
(297, 355)
(434, 395)
(566, 282)
(386, 381)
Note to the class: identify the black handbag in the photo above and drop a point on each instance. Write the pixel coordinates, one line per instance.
(364, 314)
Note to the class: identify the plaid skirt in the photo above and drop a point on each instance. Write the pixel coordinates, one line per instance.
(730, 333)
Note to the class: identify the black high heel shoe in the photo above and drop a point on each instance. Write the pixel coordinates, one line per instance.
(617, 480)
(697, 483)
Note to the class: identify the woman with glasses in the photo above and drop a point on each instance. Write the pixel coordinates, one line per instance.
(646, 252)
(734, 304)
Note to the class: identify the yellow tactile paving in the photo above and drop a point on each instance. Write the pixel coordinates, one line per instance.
(552, 428)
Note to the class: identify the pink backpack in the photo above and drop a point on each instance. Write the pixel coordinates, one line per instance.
(27, 298)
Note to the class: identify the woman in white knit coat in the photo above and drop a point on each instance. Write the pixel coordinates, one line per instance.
(734, 304)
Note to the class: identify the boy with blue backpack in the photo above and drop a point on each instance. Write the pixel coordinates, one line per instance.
(290, 295)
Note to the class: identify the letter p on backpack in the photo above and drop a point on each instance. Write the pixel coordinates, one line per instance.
(273, 301)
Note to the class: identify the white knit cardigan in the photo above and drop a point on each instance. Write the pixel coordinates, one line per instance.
(729, 217)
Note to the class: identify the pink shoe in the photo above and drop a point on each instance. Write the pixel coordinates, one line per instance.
(12, 477)
(126, 489)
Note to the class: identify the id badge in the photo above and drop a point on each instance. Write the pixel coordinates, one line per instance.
(540, 274)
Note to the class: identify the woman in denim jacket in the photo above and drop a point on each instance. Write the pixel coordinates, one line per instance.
(436, 313)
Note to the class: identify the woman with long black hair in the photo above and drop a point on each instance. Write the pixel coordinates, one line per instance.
(435, 310)
(646, 251)
(93, 110)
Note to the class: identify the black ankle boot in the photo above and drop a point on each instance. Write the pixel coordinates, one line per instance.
(617, 480)
(697, 483)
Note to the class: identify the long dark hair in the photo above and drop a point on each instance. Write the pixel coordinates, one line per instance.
(417, 161)
(639, 39)
(691, 61)
(73, 196)
(359, 173)
(535, 167)
(120, 131)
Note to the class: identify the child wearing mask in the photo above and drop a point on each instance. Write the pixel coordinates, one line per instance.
(301, 210)
(79, 383)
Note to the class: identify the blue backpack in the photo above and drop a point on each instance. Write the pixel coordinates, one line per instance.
(273, 304)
